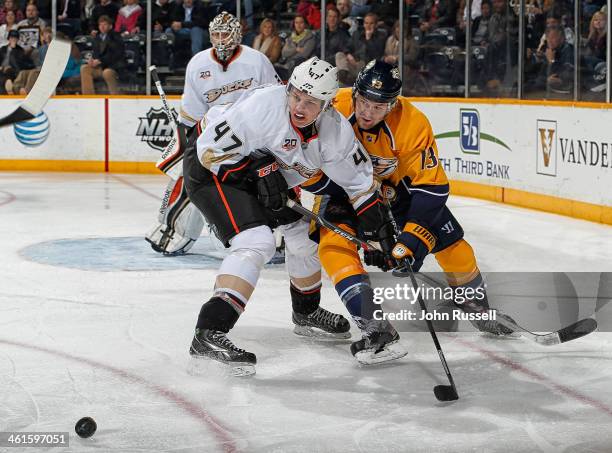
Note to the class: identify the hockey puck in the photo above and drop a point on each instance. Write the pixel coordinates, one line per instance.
(85, 427)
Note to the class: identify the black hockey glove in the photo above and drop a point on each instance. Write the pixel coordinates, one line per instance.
(384, 259)
(371, 217)
(269, 182)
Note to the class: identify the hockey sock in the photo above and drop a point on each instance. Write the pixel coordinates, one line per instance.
(358, 297)
(307, 300)
(220, 313)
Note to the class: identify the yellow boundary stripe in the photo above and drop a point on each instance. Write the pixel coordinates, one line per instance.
(539, 202)
(52, 165)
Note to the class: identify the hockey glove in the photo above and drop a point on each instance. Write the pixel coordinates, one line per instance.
(270, 183)
(384, 259)
(414, 243)
(371, 217)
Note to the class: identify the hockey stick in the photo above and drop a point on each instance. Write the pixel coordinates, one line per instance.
(442, 392)
(162, 95)
(572, 332)
(170, 156)
(50, 75)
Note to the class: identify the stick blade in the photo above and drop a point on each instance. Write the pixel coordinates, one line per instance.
(18, 115)
(577, 330)
(445, 393)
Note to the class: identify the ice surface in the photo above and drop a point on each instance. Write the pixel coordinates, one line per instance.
(92, 324)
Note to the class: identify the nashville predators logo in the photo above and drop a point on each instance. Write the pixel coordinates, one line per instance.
(216, 93)
(376, 84)
(383, 166)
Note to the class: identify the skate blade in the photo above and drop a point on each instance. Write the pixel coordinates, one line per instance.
(205, 366)
(312, 332)
(392, 351)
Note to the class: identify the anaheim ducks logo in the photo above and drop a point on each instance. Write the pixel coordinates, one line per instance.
(216, 93)
(304, 171)
(383, 166)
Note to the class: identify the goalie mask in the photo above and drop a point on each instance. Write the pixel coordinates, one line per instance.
(225, 35)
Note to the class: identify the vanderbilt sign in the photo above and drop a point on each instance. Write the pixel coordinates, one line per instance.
(547, 148)
(570, 150)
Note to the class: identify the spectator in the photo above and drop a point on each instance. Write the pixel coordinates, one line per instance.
(160, 17)
(9, 25)
(30, 29)
(25, 79)
(267, 41)
(336, 39)
(480, 26)
(596, 41)
(497, 57)
(311, 10)
(556, 69)
(436, 14)
(104, 8)
(107, 60)
(69, 12)
(461, 18)
(347, 21)
(190, 21)
(411, 48)
(554, 20)
(248, 35)
(360, 7)
(300, 46)
(366, 45)
(9, 5)
(127, 19)
(13, 59)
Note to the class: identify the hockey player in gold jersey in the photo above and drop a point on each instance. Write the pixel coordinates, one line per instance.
(400, 142)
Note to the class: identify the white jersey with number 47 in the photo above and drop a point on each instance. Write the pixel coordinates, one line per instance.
(259, 120)
(209, 83)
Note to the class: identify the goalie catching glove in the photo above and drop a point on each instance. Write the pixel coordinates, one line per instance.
(414, 243)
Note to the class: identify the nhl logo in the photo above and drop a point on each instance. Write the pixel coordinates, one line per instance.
(155, 128)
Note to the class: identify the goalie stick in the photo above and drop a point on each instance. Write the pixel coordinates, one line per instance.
(172, 152)
(442, 392)
(50, 75)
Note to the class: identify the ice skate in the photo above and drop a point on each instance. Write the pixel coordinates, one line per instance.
(214, 344)
(322, 324)
(502, 326)
(379, 343)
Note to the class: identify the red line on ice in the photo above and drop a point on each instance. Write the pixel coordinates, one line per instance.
(134, 186)
(9, 198)
(221, 433)
(565, 390)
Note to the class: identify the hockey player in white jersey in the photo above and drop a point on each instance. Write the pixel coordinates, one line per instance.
(240, 174)
(215, 76)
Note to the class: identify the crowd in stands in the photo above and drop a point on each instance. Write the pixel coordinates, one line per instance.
(108, 37)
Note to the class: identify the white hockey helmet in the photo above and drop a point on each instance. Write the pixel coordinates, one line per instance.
(228, 24)
(316, 78)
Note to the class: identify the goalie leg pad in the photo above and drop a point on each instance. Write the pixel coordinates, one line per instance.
(180, 222)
